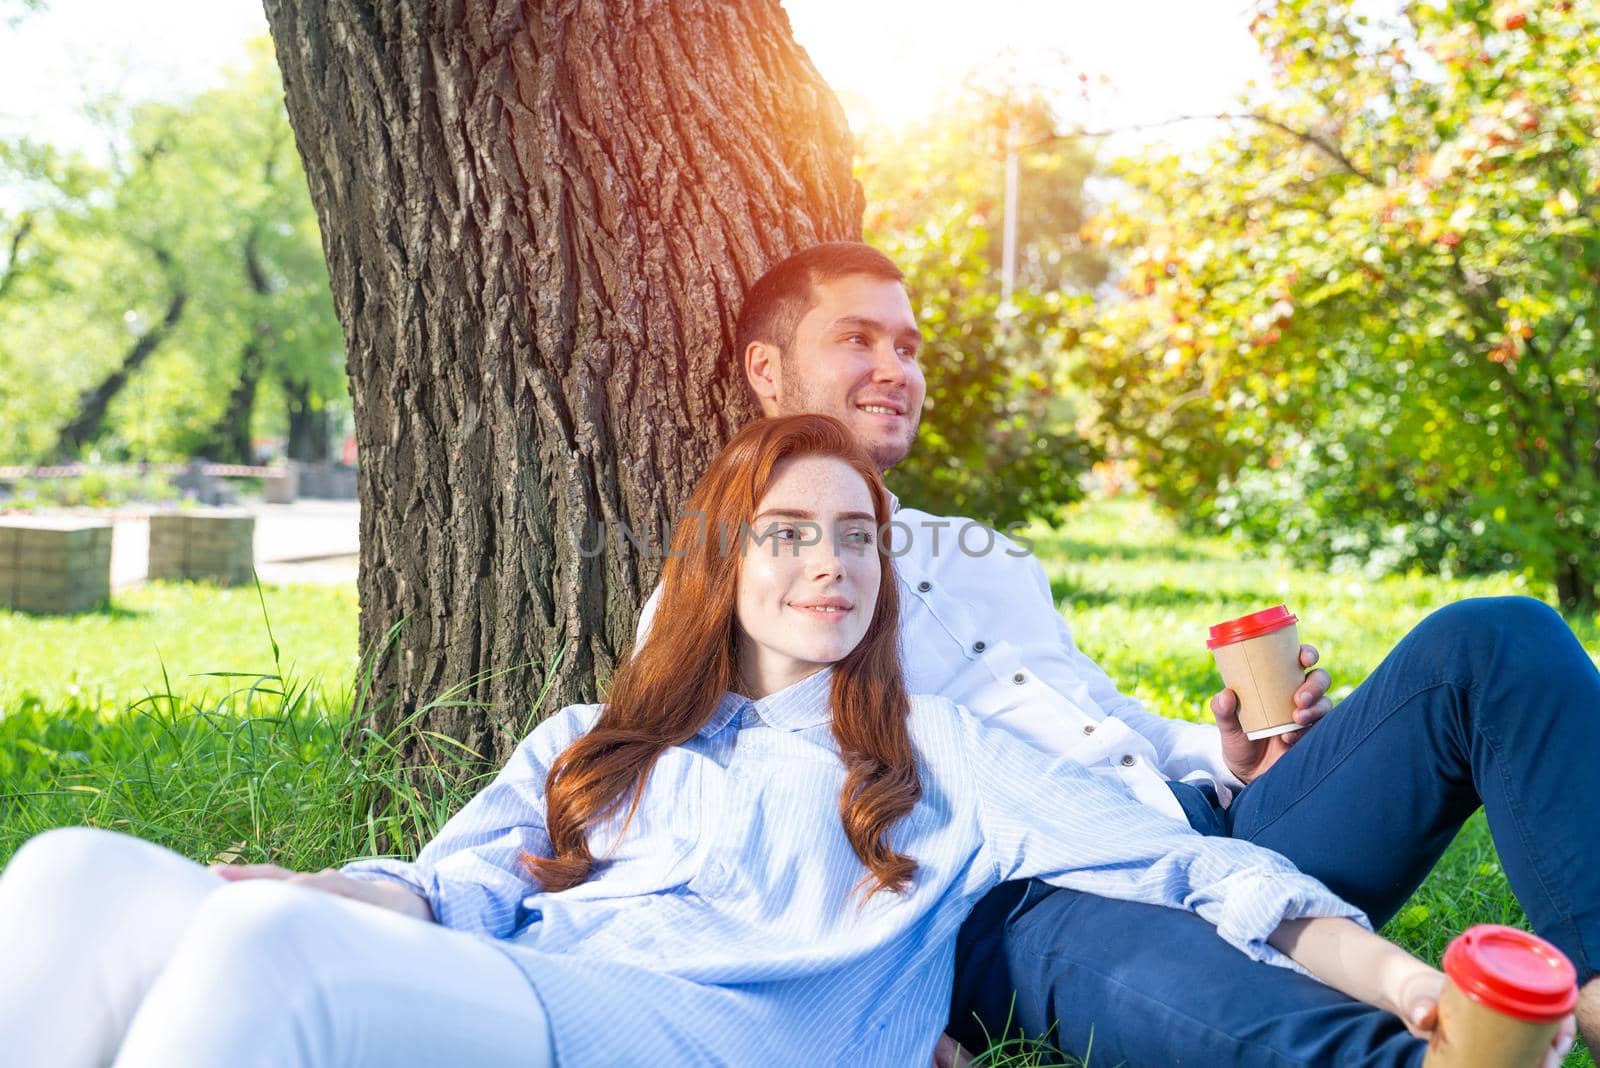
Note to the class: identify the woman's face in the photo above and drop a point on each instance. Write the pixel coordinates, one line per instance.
(809, 574)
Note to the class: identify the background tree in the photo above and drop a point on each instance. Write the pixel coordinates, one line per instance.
(998, 439)
(539, 219)
(1365, 322)
(149, 300)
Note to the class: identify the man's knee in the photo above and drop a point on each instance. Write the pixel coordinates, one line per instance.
(1519, 620)
(1505, 635)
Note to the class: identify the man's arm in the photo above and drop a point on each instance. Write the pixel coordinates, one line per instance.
(1183, 747)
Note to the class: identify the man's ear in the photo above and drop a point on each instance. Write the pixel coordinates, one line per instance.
(761, 371)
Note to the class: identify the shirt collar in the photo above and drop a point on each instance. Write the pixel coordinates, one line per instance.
(894, 502)
(729, 707)
(807, 703)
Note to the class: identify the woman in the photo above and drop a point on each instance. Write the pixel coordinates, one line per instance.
(758, 851)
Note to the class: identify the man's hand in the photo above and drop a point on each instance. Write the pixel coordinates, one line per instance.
(1247, 759)
(383, 893)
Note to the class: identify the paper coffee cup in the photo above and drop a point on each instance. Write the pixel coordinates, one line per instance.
(1259, 657)
(1507, 993)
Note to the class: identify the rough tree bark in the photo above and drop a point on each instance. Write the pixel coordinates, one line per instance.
(539, 217)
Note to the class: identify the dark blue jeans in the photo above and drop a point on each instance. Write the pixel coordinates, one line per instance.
(1490, 703)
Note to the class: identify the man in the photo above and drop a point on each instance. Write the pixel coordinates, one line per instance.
(1488, 702)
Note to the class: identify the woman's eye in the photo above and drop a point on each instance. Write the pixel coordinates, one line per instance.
(858, 537)
(781, 533)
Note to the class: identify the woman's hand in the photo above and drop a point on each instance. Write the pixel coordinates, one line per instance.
(1415, 997)
(384, 893)
(1416, 1002)
(949, 1054)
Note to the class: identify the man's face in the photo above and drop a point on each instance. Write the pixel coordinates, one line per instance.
(854, 357)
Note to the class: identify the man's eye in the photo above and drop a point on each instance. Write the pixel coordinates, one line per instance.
(857, 339)
(908, 351)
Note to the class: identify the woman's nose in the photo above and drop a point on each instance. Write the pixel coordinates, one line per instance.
(827, 561)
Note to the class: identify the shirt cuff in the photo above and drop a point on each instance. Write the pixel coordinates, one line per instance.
(383, 869)
(1249, 919)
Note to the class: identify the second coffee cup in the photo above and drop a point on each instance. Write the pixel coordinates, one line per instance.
(1259, 658)
(1506, 995)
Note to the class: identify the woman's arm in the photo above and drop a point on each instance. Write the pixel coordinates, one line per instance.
(470, 877)
(1365, 966)
(384, 893)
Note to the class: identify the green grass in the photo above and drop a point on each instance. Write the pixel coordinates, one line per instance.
(263, 765)
(111, 658)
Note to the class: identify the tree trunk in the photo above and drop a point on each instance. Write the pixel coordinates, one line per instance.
(14, 254)
(86, 426)
(539, 218)
(230, 438)
(229, 441)
(1576, 591)
(308, 424)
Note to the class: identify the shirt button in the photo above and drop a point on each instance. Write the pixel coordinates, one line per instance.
(1088, 728)
(979, 647)
(924, 586)
(1127, 761)
(1019, 678)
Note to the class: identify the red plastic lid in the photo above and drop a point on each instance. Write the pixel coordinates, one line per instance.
(1251, 626)
(1512, 972)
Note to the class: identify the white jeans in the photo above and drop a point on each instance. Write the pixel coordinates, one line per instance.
(114, 950)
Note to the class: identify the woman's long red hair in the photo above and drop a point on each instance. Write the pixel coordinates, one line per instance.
(675, 680)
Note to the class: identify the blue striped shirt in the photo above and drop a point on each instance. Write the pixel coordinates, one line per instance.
(724, 925)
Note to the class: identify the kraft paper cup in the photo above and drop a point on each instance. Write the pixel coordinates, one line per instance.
(1259, 658)
(1507, 993)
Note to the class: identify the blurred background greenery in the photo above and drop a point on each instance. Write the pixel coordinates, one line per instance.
(1354, 317)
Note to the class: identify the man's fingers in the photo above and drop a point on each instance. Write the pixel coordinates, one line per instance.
(1309, 656)
(1313, 688)
(1308, 716)
(1225, 706)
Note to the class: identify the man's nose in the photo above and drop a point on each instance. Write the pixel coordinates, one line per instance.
(887, 365)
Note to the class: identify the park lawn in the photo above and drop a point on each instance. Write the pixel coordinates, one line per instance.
(163, 631)
(91, 732)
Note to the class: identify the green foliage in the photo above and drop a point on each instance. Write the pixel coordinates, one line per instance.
(1367, 317)
(998, 437)
(203, 198)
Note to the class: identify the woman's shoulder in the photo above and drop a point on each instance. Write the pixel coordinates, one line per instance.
(936, 716)
(560, 729)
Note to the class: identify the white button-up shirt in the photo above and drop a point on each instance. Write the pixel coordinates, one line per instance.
(979, 626)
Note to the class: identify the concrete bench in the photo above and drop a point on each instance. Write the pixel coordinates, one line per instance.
(209, 544)
(51, 564)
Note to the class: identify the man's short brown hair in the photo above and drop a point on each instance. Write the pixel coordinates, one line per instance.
(780, 298)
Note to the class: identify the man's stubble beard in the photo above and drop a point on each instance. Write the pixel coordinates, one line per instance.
(798, 400)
